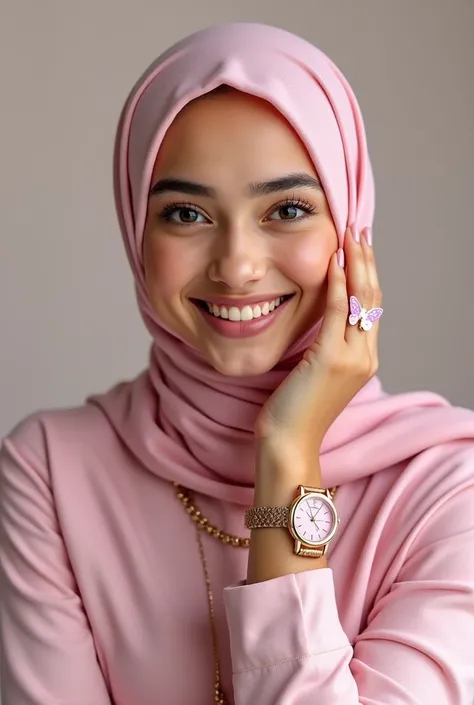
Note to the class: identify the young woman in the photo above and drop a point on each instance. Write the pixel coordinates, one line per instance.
(252, 519)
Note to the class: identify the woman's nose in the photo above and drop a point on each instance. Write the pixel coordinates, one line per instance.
(237, 259)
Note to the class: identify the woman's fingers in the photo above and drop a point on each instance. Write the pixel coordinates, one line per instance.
(357, 275)
(376, 300)
(334, 322)
(360, 280)
(358, 284)
(371, 270)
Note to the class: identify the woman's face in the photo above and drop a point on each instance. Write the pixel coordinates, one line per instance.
(238, 234)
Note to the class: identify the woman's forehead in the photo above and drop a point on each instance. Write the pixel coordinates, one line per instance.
(230, 129)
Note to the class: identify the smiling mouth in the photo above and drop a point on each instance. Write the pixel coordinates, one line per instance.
(241, 314)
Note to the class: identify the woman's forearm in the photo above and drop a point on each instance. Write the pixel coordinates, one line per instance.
(271, 552)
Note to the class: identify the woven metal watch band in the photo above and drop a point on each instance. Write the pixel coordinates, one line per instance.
(276, 518)
(311, 552)
(267, 517)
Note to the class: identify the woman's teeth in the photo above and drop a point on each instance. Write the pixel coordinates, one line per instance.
(246, 313)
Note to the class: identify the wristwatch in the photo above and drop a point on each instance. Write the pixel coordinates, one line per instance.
(311, 519)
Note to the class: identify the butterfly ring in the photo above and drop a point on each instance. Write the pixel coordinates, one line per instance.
(366, 317)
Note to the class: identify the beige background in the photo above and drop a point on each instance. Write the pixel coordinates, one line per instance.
(68, 320)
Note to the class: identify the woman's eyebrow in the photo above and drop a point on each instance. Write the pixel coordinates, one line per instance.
(264, 188)
(181, 186)
(285, 183)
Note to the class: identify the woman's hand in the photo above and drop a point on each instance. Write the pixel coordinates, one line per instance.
(340, 361)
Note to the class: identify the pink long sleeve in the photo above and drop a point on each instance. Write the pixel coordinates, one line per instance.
(48, 653)
(93, 589)
(289, 648)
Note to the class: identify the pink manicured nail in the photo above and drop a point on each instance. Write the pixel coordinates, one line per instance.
(340, 257)
(368, 235)
(355, 232)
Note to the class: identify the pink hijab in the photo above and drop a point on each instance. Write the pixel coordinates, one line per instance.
(183, 420)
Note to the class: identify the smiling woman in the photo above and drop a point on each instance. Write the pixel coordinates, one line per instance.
(252, 519)
(254, 242)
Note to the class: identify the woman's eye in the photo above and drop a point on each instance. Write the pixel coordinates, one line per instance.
(183, 216)
(288, 212)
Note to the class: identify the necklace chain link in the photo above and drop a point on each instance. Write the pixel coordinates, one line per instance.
(204, 525)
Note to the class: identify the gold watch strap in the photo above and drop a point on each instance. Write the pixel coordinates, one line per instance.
(267, 517)
(276, 518)
(311, 552)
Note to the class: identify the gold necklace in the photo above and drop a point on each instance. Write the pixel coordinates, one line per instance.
(203, 524)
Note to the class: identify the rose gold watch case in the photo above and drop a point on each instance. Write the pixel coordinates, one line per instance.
(321, 494)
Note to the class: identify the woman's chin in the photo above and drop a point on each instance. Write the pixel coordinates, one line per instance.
(240, 363)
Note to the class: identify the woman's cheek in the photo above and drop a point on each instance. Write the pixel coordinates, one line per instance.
(305, 260)
(169, 266)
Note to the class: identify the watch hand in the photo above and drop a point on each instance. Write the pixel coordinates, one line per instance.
(319, 508)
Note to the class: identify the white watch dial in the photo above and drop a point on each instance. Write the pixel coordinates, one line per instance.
(314, 519)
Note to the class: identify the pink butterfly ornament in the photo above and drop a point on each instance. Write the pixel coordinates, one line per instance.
(359, 313)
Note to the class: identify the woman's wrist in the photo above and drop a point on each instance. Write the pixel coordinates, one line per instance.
(279, 470)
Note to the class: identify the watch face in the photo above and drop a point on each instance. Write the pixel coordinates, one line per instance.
(314, 519)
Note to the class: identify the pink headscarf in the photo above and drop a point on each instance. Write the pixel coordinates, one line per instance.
(182, 419)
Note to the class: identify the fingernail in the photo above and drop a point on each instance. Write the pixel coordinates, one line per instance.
(368, 236)
(355, 232)
(340, 257)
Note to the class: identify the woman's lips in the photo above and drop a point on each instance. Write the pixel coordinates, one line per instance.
(241, 329)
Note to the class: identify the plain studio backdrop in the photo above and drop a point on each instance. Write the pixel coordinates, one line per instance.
(68, 320)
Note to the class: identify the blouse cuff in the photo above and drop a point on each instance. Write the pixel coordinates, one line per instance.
(293, 616)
